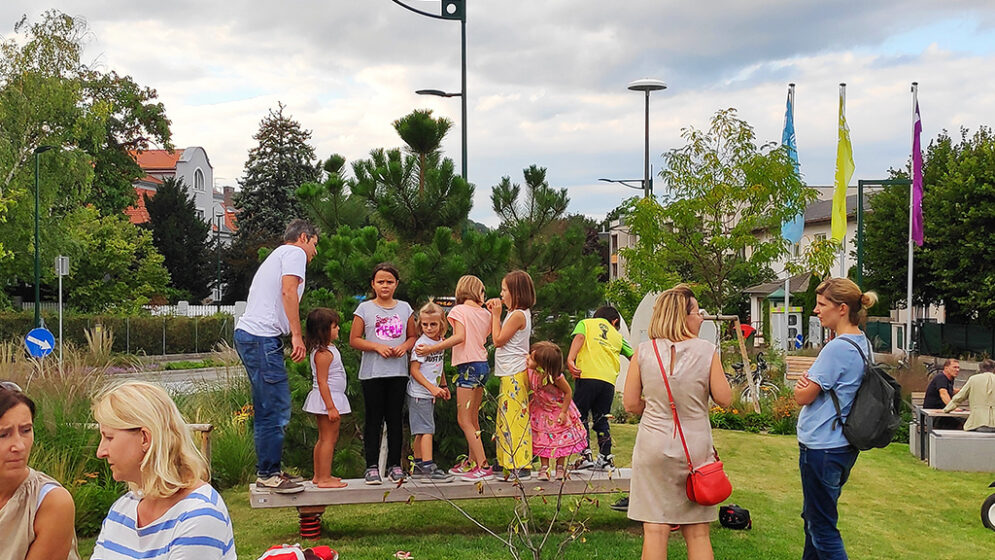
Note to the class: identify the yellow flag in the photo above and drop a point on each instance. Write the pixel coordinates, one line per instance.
(844, 170)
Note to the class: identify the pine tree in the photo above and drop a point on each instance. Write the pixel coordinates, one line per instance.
(280, 163)
(413, 194)
(181, 237)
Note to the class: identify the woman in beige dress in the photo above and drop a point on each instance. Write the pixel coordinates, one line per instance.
(36, 513)
(659, 465)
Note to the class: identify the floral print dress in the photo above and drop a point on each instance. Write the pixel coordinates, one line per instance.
(550, 439)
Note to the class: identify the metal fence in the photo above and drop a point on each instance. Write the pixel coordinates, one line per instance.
(158, 310)
(950, 339)
(168, 334)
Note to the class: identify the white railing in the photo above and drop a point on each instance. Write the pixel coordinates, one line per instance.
(159, 310)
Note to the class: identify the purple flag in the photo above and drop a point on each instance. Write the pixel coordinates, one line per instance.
(917, 179)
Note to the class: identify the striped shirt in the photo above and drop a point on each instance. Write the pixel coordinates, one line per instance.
(198, 527)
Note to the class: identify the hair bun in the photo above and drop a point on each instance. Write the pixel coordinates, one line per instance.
(868, 299)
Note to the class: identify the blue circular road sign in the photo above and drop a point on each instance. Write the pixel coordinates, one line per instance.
(40, 342)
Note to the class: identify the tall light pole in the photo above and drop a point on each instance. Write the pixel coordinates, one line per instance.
(38, 151)
(647, 85)
(217, 251)
(451, 10)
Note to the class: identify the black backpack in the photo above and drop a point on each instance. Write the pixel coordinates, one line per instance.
(876, 411)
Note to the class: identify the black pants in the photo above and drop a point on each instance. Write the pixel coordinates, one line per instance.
(594, 397)
(384, 401)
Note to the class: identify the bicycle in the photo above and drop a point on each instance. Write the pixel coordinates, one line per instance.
(758, 379)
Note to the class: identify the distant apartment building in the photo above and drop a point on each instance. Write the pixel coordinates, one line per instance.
(618, 237)
(192, 165)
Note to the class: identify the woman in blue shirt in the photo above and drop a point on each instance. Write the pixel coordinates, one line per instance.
(825, 456)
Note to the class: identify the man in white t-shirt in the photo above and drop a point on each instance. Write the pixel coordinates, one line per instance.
(272, 312)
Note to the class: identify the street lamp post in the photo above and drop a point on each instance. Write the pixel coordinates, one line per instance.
(217, 251)
(647, 85)
(38, 151)
(451, 10)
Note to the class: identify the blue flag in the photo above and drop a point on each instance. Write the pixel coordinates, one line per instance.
(792, 229)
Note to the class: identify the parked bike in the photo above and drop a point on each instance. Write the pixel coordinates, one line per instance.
(758, 379)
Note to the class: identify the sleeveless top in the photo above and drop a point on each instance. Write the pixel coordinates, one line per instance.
(336, 371)
(510, 358)
(17, 517)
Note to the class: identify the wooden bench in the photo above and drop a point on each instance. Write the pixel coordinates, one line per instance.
(795, 366)
(957, 450)
(311, 503)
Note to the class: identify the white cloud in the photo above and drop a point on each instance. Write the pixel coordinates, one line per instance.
(547, 80)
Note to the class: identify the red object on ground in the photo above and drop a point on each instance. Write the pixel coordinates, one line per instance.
(747, 330)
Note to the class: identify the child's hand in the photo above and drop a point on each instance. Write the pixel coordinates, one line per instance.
(423, 349)
(399, 352)
(438, 392)
(494, 305)
(385, 351)
(574, 370)
(447, 394)
(333, 414)
(562, 418)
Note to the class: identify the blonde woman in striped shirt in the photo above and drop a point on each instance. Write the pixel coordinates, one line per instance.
(171, 512)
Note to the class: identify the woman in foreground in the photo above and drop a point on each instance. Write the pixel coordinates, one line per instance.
(171, 511)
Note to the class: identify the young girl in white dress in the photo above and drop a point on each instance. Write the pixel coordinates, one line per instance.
(327, 399)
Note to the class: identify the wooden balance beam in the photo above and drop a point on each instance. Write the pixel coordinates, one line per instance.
(311, 503)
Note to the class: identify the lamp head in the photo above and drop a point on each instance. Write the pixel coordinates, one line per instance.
(647, 84)
(41, 149)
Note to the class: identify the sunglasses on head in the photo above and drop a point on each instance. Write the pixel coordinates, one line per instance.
(11, 386)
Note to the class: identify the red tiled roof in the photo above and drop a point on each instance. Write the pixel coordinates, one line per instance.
(157, 159)
(137, 213)
(150, 179)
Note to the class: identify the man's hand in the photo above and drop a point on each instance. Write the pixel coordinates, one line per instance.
(803, 381)
(298, 350)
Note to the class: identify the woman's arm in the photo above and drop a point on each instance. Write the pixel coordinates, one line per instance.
(806, 390)
(632, 395)
(502, 334)
(54, 527)
(718, 385)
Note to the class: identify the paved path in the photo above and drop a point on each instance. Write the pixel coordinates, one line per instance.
(188, 380)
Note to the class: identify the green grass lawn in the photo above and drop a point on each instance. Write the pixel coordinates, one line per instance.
(892, 507)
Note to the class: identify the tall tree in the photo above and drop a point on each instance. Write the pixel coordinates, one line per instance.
(115, 265)
(423, 135)
(524, 216)
(955, 265)
(411, 195)
(726, 190)
(49, 97)
(281, 162)
(181, 238)
(331, 203)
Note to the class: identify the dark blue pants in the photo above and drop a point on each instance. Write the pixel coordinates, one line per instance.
(262, 357)
(594, 397)
(823, 472)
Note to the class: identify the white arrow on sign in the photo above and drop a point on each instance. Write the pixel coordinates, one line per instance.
(43, 344)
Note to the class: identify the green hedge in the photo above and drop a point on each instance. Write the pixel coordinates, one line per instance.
(133, 335)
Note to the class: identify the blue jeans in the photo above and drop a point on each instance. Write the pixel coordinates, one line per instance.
(262, 357)
(823, 472)
(471, 375)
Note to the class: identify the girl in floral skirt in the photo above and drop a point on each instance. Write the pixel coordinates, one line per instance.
(557, 431)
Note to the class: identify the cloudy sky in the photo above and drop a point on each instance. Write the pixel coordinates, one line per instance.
(547, 80)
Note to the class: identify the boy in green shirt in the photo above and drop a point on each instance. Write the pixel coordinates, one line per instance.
(594, 362)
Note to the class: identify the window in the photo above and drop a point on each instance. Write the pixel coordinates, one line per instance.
(820, 237)
(614, 247)
(200, 213)
(198, 180)
(614, 270)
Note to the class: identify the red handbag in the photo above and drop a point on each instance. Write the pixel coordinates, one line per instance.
(707, 485)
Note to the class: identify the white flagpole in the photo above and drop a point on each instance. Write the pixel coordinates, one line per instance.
(843, 241)
(909, 306)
